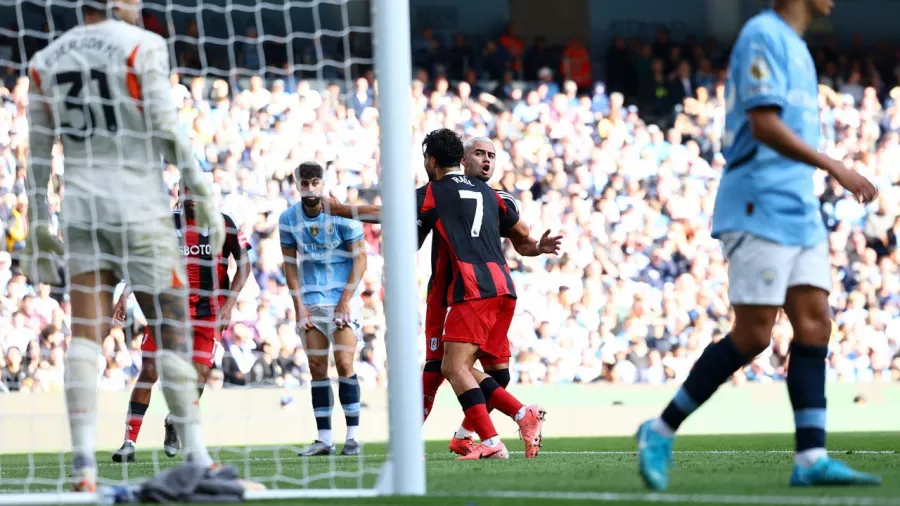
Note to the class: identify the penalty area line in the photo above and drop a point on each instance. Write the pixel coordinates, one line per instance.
(664, 498)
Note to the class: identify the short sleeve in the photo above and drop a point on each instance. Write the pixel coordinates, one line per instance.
(351, 231)
(509, 210)
(286, 230)
(235, 241)
(759, 70)
(426, 212)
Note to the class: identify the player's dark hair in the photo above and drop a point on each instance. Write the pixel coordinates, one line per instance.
(95, 8)
(445, 146)
(309, 170)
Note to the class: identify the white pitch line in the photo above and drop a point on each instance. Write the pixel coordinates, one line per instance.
(365, 456)
(686, 498)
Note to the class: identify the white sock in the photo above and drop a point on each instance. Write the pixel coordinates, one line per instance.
(80, 379)
(326, 437)
(353, 432)
(179, 385)
(809, 457)
(491, 441)
(462, 433)
(520, 414)
(663, 428)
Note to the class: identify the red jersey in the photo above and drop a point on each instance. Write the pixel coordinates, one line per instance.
(207, 272)
(468, 218)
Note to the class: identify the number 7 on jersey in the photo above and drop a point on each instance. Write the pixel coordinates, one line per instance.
(479, 209)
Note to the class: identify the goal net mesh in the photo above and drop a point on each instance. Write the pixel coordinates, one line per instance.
(260, 87)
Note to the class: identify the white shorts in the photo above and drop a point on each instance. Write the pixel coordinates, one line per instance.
(145, 255)
(761, 271)
(322, 317)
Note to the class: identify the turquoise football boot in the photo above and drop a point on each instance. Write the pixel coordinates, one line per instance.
(654, 456)
(828, 471)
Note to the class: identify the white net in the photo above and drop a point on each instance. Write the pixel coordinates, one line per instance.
(259, 88)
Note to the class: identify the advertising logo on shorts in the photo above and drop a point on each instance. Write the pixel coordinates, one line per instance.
(433, 343)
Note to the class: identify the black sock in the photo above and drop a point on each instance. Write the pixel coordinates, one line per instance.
(348, 393)
(323, 403)
(488, 386)
(717, 363)
(806, 388)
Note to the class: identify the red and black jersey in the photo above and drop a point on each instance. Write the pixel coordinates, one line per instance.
(208, 273)
(441, 267)
(468, 218)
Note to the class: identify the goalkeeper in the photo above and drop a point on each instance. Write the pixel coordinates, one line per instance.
(103, 89)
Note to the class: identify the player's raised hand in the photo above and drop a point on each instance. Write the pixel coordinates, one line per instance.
(331, 205)
(854, 182)
(549, 244)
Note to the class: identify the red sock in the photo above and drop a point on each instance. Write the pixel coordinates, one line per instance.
(134, 420)
(431, 381)
(505, 403)
(481, 421)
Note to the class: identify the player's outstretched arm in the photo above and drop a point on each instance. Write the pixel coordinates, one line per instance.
(367, 213)
(520, 238)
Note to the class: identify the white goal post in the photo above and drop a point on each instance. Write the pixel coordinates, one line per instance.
(35, 455)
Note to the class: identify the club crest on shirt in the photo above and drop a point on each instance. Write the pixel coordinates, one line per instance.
(329, 228)
(433, 343)
(768, 276)
(314, 230)
(759, 69)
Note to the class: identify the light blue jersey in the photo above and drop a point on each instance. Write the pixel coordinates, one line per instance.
(762, 192)
(323, 246)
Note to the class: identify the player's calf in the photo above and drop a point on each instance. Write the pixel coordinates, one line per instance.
(432, 379)
(457, 368)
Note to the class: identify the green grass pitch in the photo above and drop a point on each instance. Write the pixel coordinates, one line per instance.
(752, 469)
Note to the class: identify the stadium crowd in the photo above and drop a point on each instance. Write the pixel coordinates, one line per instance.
(626, 171)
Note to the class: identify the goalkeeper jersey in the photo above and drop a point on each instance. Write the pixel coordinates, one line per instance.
(103, 89)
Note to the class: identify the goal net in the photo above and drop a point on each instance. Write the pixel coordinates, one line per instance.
(260, 88)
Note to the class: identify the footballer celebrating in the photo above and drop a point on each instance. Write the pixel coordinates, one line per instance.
(210, 312)
(468, 216)
(495, 279)
(479, 163)
(768, 219)
(324, 261)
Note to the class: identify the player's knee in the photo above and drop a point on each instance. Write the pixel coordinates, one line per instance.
(752, 331)
(202, 373)
(318, 366)
(452, 369)
(812, 331)
(344, 365)
(501, 376)
(148, 374)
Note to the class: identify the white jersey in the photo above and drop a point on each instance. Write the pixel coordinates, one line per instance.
(104, 90)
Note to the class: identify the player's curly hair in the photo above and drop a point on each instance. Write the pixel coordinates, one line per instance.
(309, 170)
(445, 146)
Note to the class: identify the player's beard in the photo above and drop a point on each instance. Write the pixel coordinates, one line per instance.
(311, 202)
